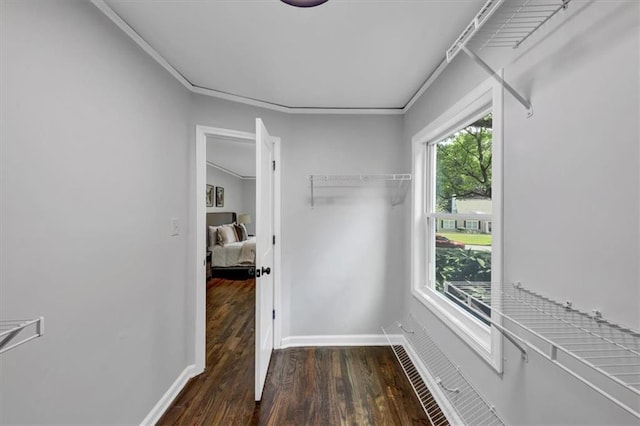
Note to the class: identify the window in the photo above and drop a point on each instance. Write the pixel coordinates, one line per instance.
(456, 201)
(448, 224)
(459, 176)
(472, 224)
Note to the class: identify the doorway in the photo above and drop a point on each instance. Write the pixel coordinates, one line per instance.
(202, 133)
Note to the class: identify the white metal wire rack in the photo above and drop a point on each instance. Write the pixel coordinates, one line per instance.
(457, 398)
(397, 181)
(515, 21)
(504, 23)
(603, 355)
(11, 331)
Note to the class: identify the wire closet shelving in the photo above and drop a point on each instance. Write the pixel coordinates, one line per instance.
(11, 331)
(504, 24)
(602, 355)
(455, 401)
(336, 181)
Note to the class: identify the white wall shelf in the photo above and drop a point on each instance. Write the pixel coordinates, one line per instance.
(11, 332)
(337, 181)
(602, 355)
(455, 395)
(504, 23)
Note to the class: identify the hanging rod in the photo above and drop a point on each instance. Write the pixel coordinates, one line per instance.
(10, 329)
(602, 355)
(364, 178)
(504, 23)
(401, 178)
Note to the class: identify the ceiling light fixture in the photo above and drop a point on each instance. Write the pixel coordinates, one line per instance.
(304, 3)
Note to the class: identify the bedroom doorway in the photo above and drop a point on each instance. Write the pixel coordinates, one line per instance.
(204, 135)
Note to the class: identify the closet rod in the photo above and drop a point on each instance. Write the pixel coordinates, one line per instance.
(520, 306)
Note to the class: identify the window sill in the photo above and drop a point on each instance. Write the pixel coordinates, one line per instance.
(473, 332)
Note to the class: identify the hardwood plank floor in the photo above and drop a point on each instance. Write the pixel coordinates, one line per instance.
(305, 386)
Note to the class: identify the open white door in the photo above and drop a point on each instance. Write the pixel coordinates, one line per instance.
(264, 253)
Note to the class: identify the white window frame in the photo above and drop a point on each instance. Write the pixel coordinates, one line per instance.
(485, 340)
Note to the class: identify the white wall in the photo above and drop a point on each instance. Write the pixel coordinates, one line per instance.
(249, 203)
(342, 263)
(344, 255)
(94, 163)
(571, 171)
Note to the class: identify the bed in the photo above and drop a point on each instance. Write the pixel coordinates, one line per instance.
(229, 258)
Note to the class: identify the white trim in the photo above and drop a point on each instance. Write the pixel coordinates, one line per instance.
(229, 172)
(128, 30)
(293, 110)
(277, 253)
(200, 221)
(335, 340)
(167, 399)
(434, 75)
(111, 14)
(486, 341)
(462, 216)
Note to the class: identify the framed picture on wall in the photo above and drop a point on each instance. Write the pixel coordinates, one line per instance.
(210, 195)
(219, 196)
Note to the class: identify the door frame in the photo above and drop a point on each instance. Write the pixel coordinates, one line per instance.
(199, 300)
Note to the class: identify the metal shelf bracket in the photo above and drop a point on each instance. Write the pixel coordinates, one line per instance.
(10, 329)
(496, 76)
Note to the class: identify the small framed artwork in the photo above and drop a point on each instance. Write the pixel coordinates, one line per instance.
(210, 195)
(219, 196)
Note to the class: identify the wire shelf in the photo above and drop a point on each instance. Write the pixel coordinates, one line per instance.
(457, 397)
(10, 330)
(603, 355)
(505, 23)
(515, 21)
(360, 178)
(397, 180)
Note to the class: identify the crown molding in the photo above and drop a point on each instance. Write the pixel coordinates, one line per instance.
(229, 172)
(127, 29)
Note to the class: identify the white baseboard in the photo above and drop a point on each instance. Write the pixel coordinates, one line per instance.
(337, 340)
(168, 397)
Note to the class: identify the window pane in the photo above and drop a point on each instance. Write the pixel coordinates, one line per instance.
(463, 186)
(463, 170)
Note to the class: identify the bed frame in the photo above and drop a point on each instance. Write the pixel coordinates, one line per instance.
(230, 272)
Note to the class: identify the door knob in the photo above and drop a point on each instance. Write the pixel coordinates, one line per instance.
(266, 271)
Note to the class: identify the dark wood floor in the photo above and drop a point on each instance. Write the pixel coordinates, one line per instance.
(305, 386)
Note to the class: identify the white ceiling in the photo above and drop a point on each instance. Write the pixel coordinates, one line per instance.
(237, 156)
(342, 54)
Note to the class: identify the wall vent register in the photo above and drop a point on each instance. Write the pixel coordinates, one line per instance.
(456, 397)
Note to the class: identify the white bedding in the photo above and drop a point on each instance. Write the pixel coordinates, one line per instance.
(232, 254)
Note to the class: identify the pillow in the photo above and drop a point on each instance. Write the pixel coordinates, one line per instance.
(227, 234)
(213, 236)
(241, 232)
(244, 229)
